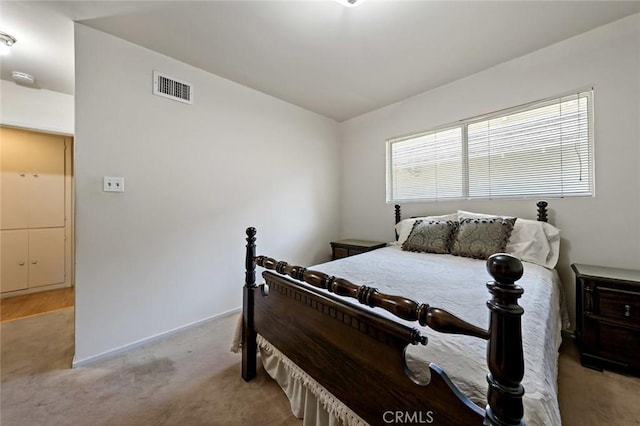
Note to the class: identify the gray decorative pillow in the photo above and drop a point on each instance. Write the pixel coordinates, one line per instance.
(430, 236)
(481, 237)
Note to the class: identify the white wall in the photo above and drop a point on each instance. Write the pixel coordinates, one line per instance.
(170, 250)
(602, 230)
(35, 109)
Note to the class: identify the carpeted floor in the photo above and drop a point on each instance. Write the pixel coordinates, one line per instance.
(191, 378)
(593, 398)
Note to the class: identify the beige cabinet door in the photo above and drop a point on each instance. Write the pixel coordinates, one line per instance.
(46, 256)
(33, 178)
(14, 252)
(32, 209)
(46, 176)
(14, 182)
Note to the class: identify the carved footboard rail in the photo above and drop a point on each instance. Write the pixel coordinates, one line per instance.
(407, 309)
(358, 355)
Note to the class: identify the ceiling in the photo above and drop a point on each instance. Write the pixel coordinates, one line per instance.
(337, 61)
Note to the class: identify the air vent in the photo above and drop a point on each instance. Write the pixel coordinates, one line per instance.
(171, 88)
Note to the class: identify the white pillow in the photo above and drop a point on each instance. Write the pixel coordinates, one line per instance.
(536, 242)
(531, 240)
(404, 227)
(463, 215)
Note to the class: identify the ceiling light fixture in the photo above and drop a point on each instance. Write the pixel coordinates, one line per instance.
(23, 78)
(6, 41)
(350, 3)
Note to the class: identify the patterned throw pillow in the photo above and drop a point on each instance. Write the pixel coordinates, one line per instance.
(430, 236)
(479, 238)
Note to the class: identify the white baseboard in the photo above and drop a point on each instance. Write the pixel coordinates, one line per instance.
(113, 352)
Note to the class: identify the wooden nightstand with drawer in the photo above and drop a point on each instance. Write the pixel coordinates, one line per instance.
(346, 248)
(608, 317)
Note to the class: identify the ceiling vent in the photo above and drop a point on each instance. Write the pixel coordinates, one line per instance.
(171, 88)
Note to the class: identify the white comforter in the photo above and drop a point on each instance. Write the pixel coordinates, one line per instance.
(457, 284)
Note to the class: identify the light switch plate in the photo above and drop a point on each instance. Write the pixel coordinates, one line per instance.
(113, 184)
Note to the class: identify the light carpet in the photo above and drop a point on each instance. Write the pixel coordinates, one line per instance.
(191, 378)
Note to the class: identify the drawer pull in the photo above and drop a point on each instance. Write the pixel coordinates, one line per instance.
(588, 299)
(35, 262)
(20, 263)
(627, 310)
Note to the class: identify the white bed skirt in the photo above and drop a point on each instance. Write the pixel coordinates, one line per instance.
(309, 400)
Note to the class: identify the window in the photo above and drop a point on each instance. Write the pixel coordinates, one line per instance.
(541, 149)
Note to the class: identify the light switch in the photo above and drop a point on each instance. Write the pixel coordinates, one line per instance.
(113, 184)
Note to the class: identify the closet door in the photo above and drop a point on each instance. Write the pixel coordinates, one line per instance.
(33, 176)
(14, 246)
(33, 200)
(46, 180)
(14, 182)
(46, 256)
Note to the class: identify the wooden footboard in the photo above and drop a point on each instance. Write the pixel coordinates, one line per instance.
(358, 355)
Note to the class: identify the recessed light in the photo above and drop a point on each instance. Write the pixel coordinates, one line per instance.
(350, 3)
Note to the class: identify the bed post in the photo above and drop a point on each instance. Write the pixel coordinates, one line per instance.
(398, 218)
(249, 346)
(504, 352)
(542, 211)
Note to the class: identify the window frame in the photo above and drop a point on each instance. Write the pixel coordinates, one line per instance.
(587, 92)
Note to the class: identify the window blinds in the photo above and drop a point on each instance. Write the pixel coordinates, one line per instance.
(427, 166)
(542, 149)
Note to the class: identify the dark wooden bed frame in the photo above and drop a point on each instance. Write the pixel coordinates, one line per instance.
(358, 355)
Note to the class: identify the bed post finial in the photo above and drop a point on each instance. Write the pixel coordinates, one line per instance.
(504, 352)
(250, 263)
(398, 218)
(542, 211)
(249, 346)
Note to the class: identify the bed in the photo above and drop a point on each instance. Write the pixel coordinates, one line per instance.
(349, 350)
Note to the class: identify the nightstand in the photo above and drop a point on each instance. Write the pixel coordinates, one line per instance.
(346, 248)
(608, 317)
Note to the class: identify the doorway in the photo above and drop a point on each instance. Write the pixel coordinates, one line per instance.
(36, 223)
